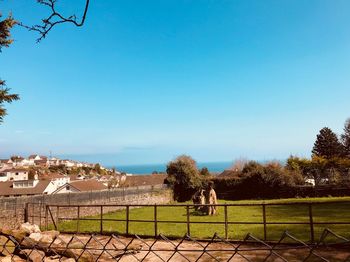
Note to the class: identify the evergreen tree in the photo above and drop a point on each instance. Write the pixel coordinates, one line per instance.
(5, 41)
(345, 138)
(327, 144)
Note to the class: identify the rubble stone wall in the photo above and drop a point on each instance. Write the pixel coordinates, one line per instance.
(12, 208)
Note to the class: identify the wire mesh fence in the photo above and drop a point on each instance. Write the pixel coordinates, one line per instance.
(52, 246)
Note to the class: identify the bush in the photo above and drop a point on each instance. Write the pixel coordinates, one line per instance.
(183, 177)
(257, 181)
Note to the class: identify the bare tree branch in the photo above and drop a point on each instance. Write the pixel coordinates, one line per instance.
(55, 18)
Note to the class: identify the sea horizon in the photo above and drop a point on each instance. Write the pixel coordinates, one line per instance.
(145, 169)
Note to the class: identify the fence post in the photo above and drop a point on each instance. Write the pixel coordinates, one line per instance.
(264, 220)
(46, 217)
(16, 209)
(127, 219)
(58, 217)
(188, 219)
(226, 222)
(40, 207)
(26, 210)
(33, 212)
(78, 222)
(101, 220)
(312, 234)
(155, 221)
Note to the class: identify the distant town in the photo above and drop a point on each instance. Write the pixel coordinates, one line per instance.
(37, 175)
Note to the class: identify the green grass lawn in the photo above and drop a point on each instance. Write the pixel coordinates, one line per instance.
(326, 211)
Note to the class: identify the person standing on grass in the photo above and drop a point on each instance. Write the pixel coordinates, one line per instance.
(210, 199)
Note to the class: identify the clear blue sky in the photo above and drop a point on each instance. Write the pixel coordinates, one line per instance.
(144, 81)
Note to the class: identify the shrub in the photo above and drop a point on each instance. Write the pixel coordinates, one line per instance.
(183, 177)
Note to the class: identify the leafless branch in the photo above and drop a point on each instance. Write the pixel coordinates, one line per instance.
(55, 18)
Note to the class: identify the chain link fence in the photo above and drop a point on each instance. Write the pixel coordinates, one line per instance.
(48, 246)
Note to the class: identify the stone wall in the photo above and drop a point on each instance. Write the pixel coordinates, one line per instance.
(12, 208)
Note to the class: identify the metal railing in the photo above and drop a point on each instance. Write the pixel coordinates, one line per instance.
(55, 216)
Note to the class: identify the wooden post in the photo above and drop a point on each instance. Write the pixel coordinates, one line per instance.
(226, 222)
(46, 218)
(127, 220)
(16, 208)
(40, 214)
(52, 218)
(33, 212)
(58, 217)
(264, 220)
(312, 234)
(101, 220)
(26, 210)
(188, 220)
(78, 222)
(155, 221)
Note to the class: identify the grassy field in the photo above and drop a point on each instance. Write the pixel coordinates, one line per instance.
(326, 211)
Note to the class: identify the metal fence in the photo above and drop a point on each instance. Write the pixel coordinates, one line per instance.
(330, 247)
(109, 219)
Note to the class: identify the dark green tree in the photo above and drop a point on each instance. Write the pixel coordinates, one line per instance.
(327, 144)
(5, 41)
(183, 176)
(345, 138)
(204, 172)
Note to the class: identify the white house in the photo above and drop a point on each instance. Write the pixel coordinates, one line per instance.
(17, 161)
(69, 163)
(59, 179)
(310, 181)
(35, 157)
(14, 174)
(5, 164)
(81, 186)
(26, 187)
(54, 161)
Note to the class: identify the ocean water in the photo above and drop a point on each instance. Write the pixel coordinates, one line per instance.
(216, 167)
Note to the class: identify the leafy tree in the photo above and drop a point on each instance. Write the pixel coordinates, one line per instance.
(183, 176)
(345, 138)
(204, 172)
(97, 168)
(113, 183)
(5, 41)
(15, 158)
(31, 174)
(327, 144)
(322, 170)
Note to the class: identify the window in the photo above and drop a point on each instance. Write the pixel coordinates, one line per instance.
(67, 187)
